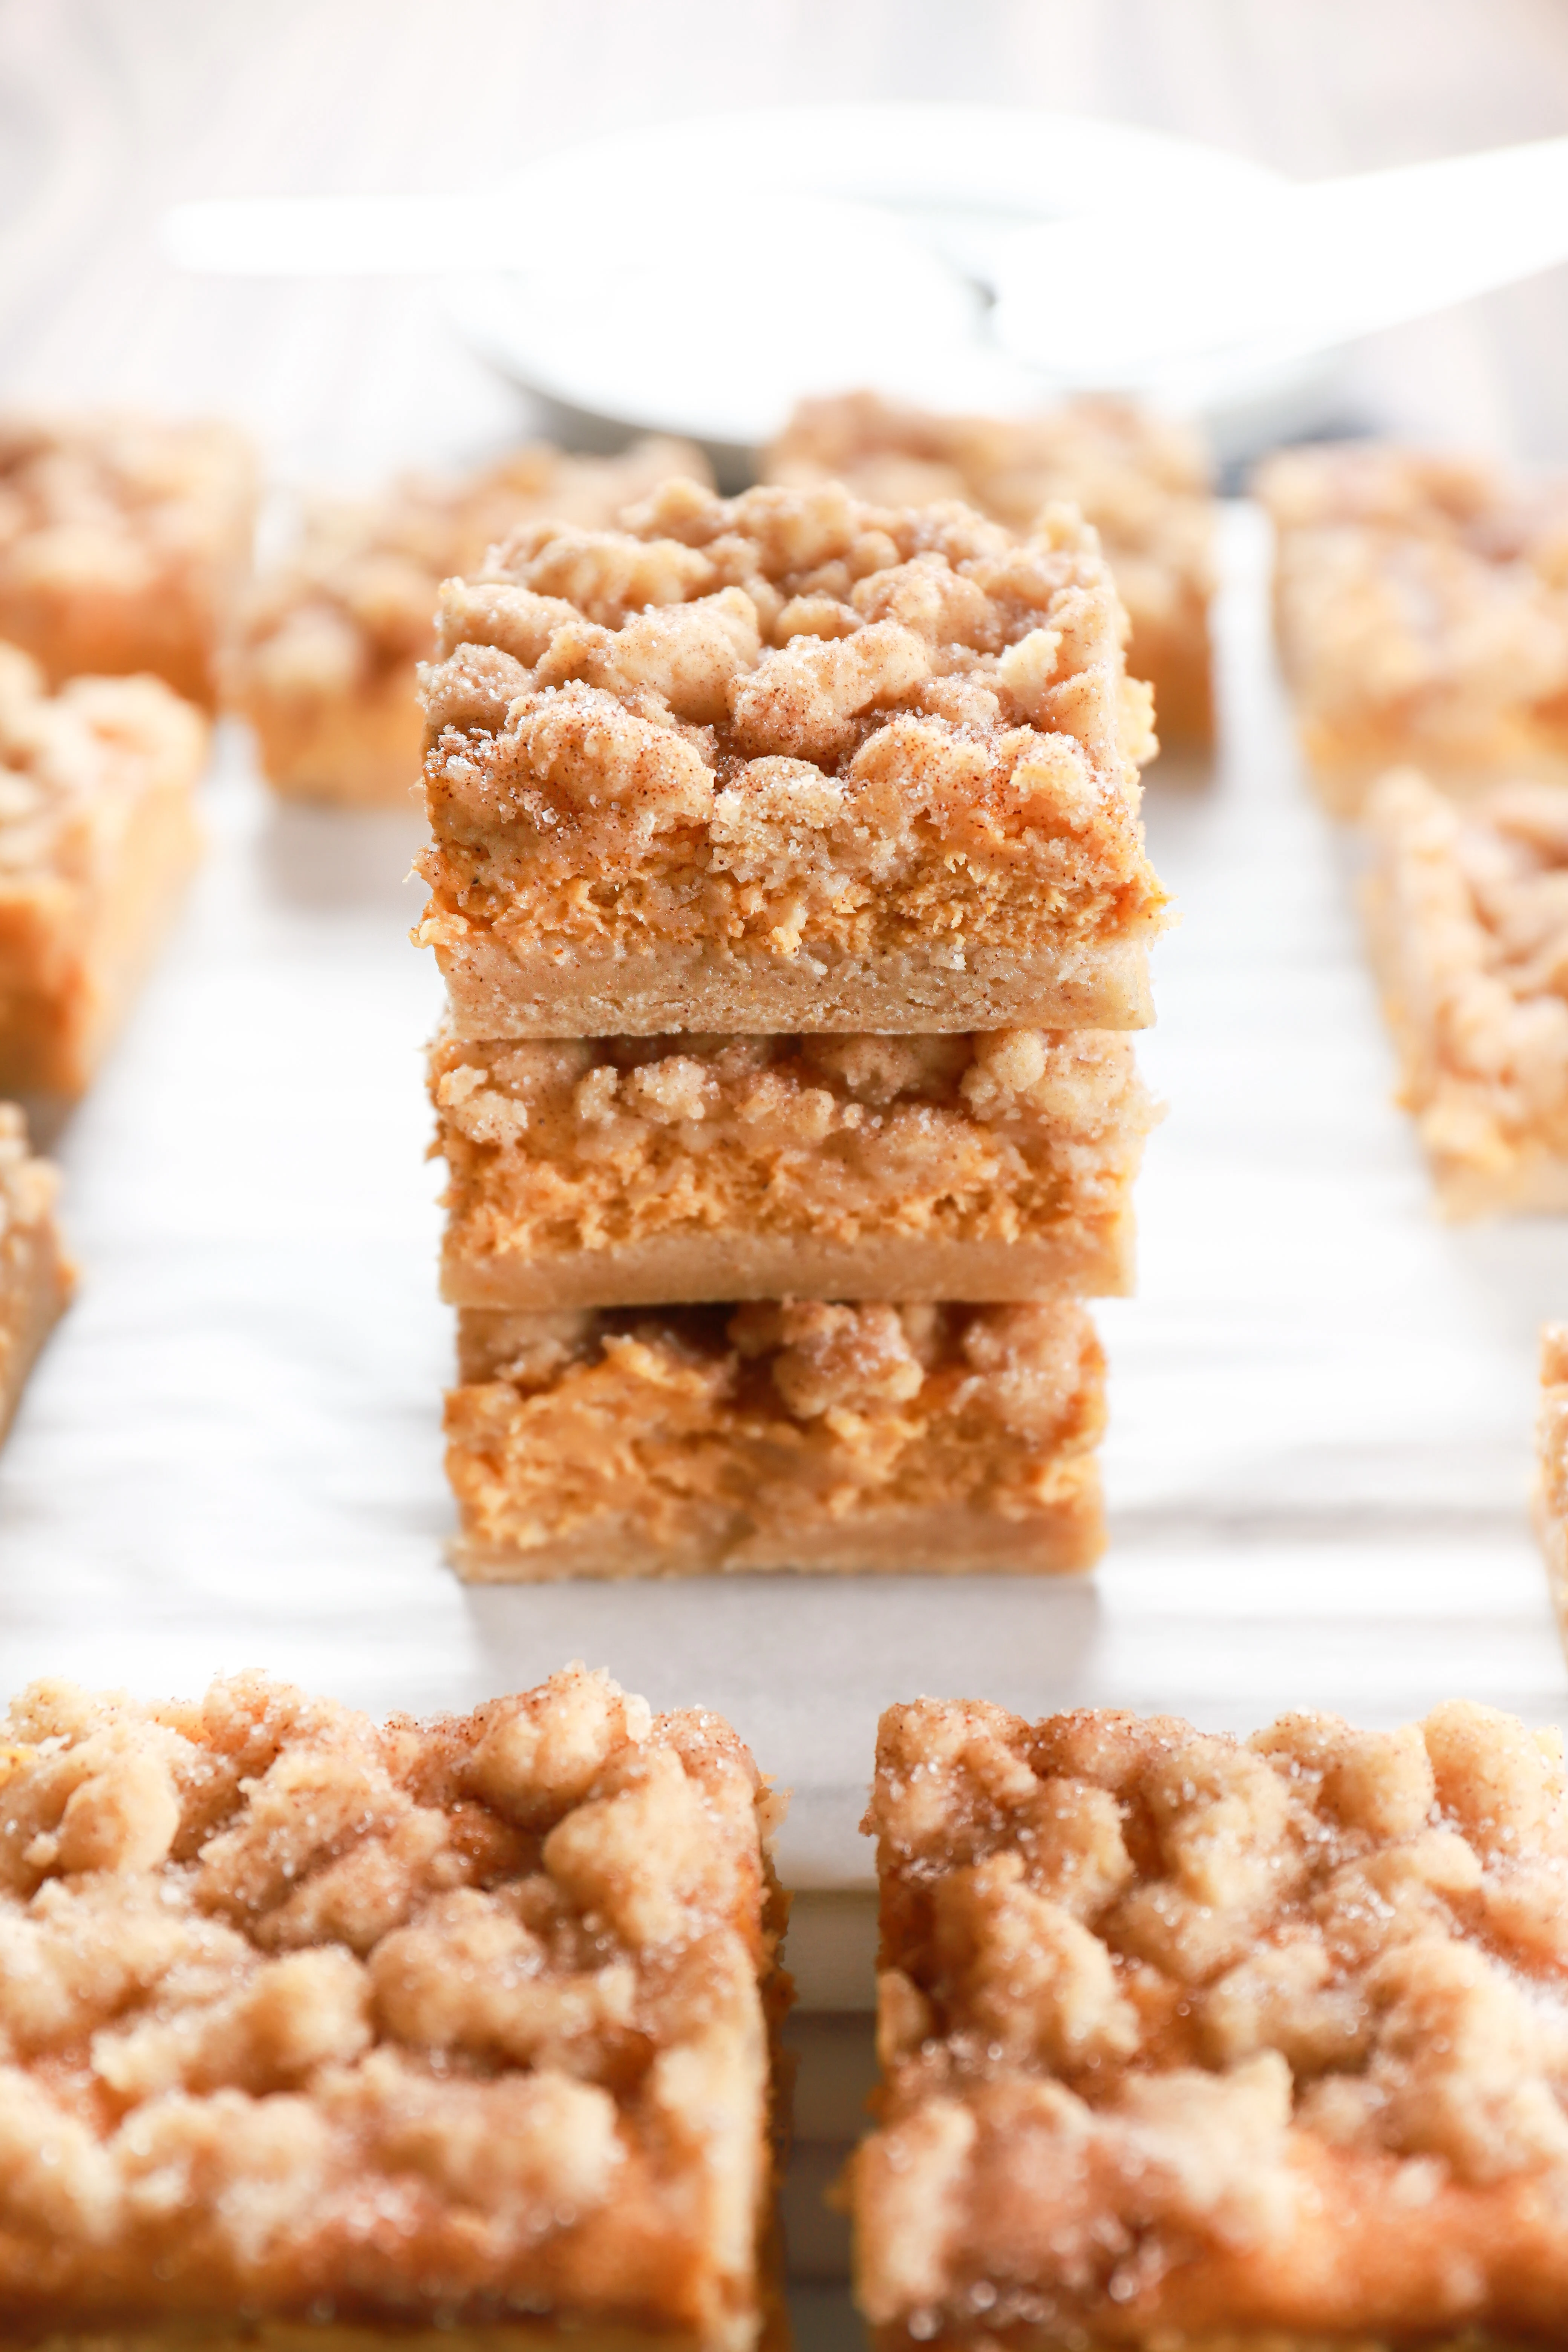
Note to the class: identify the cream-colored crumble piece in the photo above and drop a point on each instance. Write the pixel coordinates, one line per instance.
(124, 542)
(1283, 2062)
(1468, 917)
(1421, 615)
(807, 1434)
(1142, 480)
(328, 640)
(533, 2086)
(600, 1170)
(920, 743)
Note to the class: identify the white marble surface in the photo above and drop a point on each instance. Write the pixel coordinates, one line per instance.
(1320, 1398)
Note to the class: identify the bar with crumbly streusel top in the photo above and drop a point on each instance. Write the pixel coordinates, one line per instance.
(627, 1171)
(1191, 2043)
(787, 761)
(799, 1434)
(1467, 915)
(97, 840)
(324, 663)
(36, 1277)
(1142, 479)
(317, 2029)
(1421, 615)
(123, 543)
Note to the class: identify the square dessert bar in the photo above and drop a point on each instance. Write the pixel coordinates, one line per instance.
(316, 2028)
(98, 839)
(787, 761)
(642, 1170)
(1198, 2044)
(325, 664)
(37, 1278)
(1421, 615)
(123, 543)
(1142, 481)
(1468, 915)
(849, 1438)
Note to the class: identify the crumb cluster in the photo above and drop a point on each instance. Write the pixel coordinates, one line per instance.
(1468, 913)
(790, 723)
(1180, 2031)
(799, 1433)
(1423, 612)
(566, 1146)
(304, 2016)
(123, 542)
(329, 639)
(1142, 482)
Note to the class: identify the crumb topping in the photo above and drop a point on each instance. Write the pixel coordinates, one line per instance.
(1421, 599)
(351, 602)
(1470, 906)
(782, 719)
(301, 2013)
(116, 499)
(566, 1144)
(1145, 1990)
(1140, 480)
(802, 1411)
(72, 761)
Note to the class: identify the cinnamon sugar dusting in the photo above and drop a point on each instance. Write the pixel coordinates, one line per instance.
(1190, 2034)
(1140, 480)
(304, 2014)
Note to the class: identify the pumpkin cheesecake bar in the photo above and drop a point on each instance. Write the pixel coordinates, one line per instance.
(801, 1434)
(317, 2029)
(627, 1171)
(1142, 479)
(1197, 2044)
(1467, 914)
(123, 543)
(327, 651)
(1422, 606)
(787, 761)
(37, 1278)
(97, 840)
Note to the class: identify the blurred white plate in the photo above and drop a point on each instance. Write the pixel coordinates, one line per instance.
(701, 277)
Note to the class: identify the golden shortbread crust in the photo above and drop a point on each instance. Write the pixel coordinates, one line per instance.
(325, 664)
(314, 2025)
(123, 543)
(787, 761)
(621, 1172)
(809, 1435)
(1190, 2042)
(1142, 481)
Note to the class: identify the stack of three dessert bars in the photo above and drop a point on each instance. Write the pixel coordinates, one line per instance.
(788, 885)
